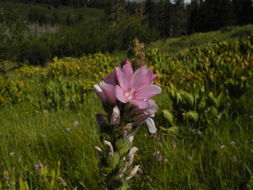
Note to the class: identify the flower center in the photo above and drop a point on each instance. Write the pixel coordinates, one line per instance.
(129, 94)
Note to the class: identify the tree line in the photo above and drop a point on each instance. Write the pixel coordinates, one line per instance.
(170, 17)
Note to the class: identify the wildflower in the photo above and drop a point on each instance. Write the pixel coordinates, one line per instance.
(133, 172)
(174, 144)
(147, 115)
(100, 93)
(38, 166)
(151, 125)
(159, 156)
(75, 123)
(11, 184)
(67, 129)
(98, 149)
(11, 153)
(6, 178)
(233, 143)
(135, 87)
(106, 89)
(115, 118)
(200, 132)
(222, 146)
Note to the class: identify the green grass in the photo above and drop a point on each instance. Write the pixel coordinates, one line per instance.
(220, 157)
(182, 44)
(198, 161)
(48, 137)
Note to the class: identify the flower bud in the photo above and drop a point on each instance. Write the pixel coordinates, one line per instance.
(115, 118)
(100, 93)
(133, 172)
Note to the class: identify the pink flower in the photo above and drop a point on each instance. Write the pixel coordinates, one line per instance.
(146, 115)
(38, 166)
(106, 92)
(126, 86)
(106, 89)
(75, 123)
(135, 87)
(149, 110)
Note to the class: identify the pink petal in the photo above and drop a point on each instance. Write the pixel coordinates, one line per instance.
(140, 103)
(120, 94)
(153, 77)
(111, 79)
(100, 93)
(147, 92)
(142, 77)
(109, 91)
(151, 109)
(128, 70)
(122, 78)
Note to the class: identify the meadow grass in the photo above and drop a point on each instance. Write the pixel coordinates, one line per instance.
(217, 155)
(182, 44)
(218, 158)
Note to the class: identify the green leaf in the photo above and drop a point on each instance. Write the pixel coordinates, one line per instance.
(168, 116)
(122, 146)
(192, 115)
(172, 130)
(113, 160)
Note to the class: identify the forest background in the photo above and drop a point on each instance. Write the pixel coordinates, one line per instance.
(35, 31)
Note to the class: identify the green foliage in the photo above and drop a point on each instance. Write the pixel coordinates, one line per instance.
(12, 91)
(204, 138)
(46, 179)
(62, 93)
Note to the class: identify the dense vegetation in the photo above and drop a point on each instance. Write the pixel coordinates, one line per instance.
(45, 29)
(204, 140)
(52, 52)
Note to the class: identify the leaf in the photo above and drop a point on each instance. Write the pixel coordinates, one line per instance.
(168, 116)
(113, 160)
(122, 146)
(192, 115)
(172, 130)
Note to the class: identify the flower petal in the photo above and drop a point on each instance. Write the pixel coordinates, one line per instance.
(151, 109)
(122, 78)
(100, 93)
(109, 91)
(140, 78)
(120, 94)
(111, 79)
(128, 70)
(115, 118)
(147, 92)
(151, 125)
(140, 103)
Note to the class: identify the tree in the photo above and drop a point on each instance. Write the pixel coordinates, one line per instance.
(243, 10)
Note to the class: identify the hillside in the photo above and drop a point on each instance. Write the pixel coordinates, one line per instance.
(182, 44)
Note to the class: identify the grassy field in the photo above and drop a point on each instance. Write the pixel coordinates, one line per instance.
(182, 44)
(47, 116)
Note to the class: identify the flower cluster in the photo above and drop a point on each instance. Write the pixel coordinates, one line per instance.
(126, 95)
(126, 86)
